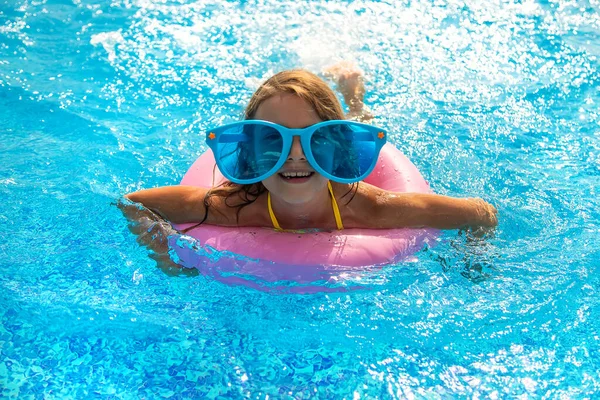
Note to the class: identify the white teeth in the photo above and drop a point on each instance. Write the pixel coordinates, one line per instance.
(295, 174)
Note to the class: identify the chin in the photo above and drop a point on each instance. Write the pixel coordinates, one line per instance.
(295, 193)
(295, 198)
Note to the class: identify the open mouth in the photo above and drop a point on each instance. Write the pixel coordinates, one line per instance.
(296, 176)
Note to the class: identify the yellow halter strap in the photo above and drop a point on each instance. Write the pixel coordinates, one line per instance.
(334, 205)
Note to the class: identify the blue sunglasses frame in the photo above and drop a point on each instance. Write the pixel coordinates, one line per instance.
(213, 136)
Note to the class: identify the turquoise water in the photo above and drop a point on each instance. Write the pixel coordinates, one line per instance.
(493, 99)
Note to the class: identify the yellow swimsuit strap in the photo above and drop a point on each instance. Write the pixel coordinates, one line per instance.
(272, 214)
(336, 210)
(334, 205)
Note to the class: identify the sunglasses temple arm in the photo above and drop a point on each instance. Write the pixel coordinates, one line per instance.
(232, 138)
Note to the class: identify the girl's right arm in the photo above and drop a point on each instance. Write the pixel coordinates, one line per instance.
(147, 210)
(177, 204)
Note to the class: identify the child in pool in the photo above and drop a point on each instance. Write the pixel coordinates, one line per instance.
(297, 196)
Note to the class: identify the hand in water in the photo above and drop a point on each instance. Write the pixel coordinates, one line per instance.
(152, 232)
(487, 218)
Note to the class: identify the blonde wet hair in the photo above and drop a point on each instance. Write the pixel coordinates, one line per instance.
(304, 84)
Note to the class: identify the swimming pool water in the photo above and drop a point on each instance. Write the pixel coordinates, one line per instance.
(494, 99)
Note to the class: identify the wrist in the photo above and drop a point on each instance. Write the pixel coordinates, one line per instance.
(484, 214)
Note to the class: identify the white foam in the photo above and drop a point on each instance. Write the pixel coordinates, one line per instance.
(108, 40)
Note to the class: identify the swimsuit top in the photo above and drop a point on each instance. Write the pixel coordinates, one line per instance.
(336, 211)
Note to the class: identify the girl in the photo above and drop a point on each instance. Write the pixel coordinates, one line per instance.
(316, 184)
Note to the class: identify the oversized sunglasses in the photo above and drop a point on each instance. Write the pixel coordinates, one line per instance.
(252, 150)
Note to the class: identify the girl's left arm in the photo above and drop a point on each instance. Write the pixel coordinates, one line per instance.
(416, 210)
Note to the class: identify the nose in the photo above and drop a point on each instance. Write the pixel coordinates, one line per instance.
(296, 152)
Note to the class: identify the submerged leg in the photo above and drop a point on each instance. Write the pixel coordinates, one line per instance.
(350, 82)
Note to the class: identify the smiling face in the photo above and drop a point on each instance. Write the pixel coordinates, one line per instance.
(296, 182)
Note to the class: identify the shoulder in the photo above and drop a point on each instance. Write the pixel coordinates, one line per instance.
(360, 203)
(235, 208)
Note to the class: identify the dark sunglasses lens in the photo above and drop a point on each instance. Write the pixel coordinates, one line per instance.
(345, 151)
(249, 151)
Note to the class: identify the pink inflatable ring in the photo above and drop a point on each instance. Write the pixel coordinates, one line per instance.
(254, 254)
